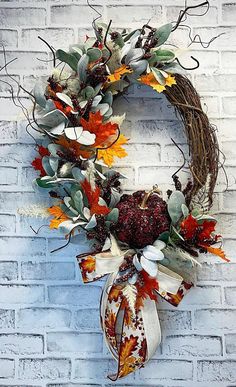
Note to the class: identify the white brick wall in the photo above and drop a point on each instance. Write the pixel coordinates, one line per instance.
(49, 323)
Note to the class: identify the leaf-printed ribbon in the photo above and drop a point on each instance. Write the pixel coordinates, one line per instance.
(132, 334)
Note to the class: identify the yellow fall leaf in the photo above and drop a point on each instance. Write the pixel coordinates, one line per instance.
(59, 216)
(150, 80)
(116, 76)
(115, 150)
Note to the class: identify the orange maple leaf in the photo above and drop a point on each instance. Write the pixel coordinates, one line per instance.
(93, 198)
(150, 80)
(116, 76)
(115, 150)
(59, 216)
(217, 251)
(128, 346)
(103, 131)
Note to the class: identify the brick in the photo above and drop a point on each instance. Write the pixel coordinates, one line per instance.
(229, 197)
(147, 176)
(192, 345)
(230, 344)
(167, 369)
(125, 15)
(47, 368)
(172, 155)
(228, 60)
(52, 35)
(92, 368)
(230, 296)
(215, 319)
(9, 38)
(27, 176)
(209, 60)
(8, 176)
(12, 17)
(226, 223)
(20, 344)
(211, 18)
(224, 371)
(226, 40)
(75, 385)
(8, 271)
(26, 61)
(8, 85)
(136, 154)
(7, 368)
(17, 201)
(17, 154)
(156, 131)
(7, 318)
(8, 131)
(229, 247)
(25, 294)
(25, 247)
(210, 105)
(70, 251)
(228, 12)
(8, 109)
(72, 15)
(217, 82)
(48, 270)
(86, 320)
(7, 223)
(48, 318)
(217, 272)
(74, 295)
(174, 320)
(229, 106)
(203, 295)
(74, 342)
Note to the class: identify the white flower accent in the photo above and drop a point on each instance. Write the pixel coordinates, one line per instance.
(79, 134)
(150, 255)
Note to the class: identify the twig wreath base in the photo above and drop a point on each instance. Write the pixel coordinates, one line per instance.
(146, 245)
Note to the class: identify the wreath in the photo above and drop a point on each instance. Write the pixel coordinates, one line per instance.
(147, 244)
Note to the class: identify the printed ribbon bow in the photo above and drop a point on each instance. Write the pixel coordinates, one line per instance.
(131, 329)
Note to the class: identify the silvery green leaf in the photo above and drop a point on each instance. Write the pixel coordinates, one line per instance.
(133, 279)
(92, 223)
(39, 95)
(67, 58)
(96, 100)
(205, 217)
(94, 54)
(82, 104)
(78, 201)
(65, 98)
(67, 226)
(164, 236)
(82, 68)
(102, 107)
(78, 50)
(102, 202)
(68, 203)
(185, 210)
(131, 34)
(46, 166)
(137, 264)
(53, 149)
(173, 68)
(118, 86)
(134, 54)
(86, 212)
(49, 106)
(77, 174)
(108, 98)
(53, 118)
(175, 234)
(108, 113)
(59, 129)
(53, 162)
(164, 55)
(163, 33)
(107, 244)
(174, 206)
(88, 92)
(158, 75)
(113, 215)
(115, 198)
(140, 66)
(152, 253)
(159, 244)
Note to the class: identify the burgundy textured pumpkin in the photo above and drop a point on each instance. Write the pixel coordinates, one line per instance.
(142, 218)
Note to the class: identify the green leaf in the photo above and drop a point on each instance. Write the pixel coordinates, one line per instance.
(185, 210)
(82, 67)
(158, 75)
(127, 37)
(44, 183)
(78, 201)
(163, 33)
(175, 235)
(173, 68)
(119, 41)
(164, 55)
(77, 174)
(94, 54)
(92, 223)
(113, 215)
(47, 167)
(88, 92)
(174, 206)
(108, 98)
(39, 95)
(67, 58)
(53, 162)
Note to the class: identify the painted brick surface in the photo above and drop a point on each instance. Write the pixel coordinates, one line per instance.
(49, 323)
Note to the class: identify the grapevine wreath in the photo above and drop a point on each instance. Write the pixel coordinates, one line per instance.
(148, 246)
